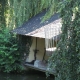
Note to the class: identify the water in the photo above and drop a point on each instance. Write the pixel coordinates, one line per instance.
(31, 75)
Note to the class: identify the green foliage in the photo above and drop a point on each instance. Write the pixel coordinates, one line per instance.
(10, 58)
(53, 7)
(2, 11)
(13, 13)
(25, 43)
(66, 59)
(23, 10)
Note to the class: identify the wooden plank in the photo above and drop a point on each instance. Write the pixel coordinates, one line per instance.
(36, 68)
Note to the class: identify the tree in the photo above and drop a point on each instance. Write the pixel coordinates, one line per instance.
(2, 11)
(23, 10)
(66, 59)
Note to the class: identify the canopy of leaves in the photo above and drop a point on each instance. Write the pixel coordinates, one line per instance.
(23, 10)
(66, 59)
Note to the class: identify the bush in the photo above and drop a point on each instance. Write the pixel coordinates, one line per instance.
(10, 58)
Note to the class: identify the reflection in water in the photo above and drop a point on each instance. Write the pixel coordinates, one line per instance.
(32, 75)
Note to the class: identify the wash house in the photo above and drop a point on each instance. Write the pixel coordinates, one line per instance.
(44, 35)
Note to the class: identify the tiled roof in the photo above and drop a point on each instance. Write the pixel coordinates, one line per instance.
(35, 28)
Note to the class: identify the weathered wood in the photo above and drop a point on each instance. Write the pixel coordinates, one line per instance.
(39, 68)
(36, 68)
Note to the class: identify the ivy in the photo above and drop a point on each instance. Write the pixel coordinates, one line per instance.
(66, 59)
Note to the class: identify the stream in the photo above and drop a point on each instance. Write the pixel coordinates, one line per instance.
(31, 75)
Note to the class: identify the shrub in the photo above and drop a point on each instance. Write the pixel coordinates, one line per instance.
(10, 57)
